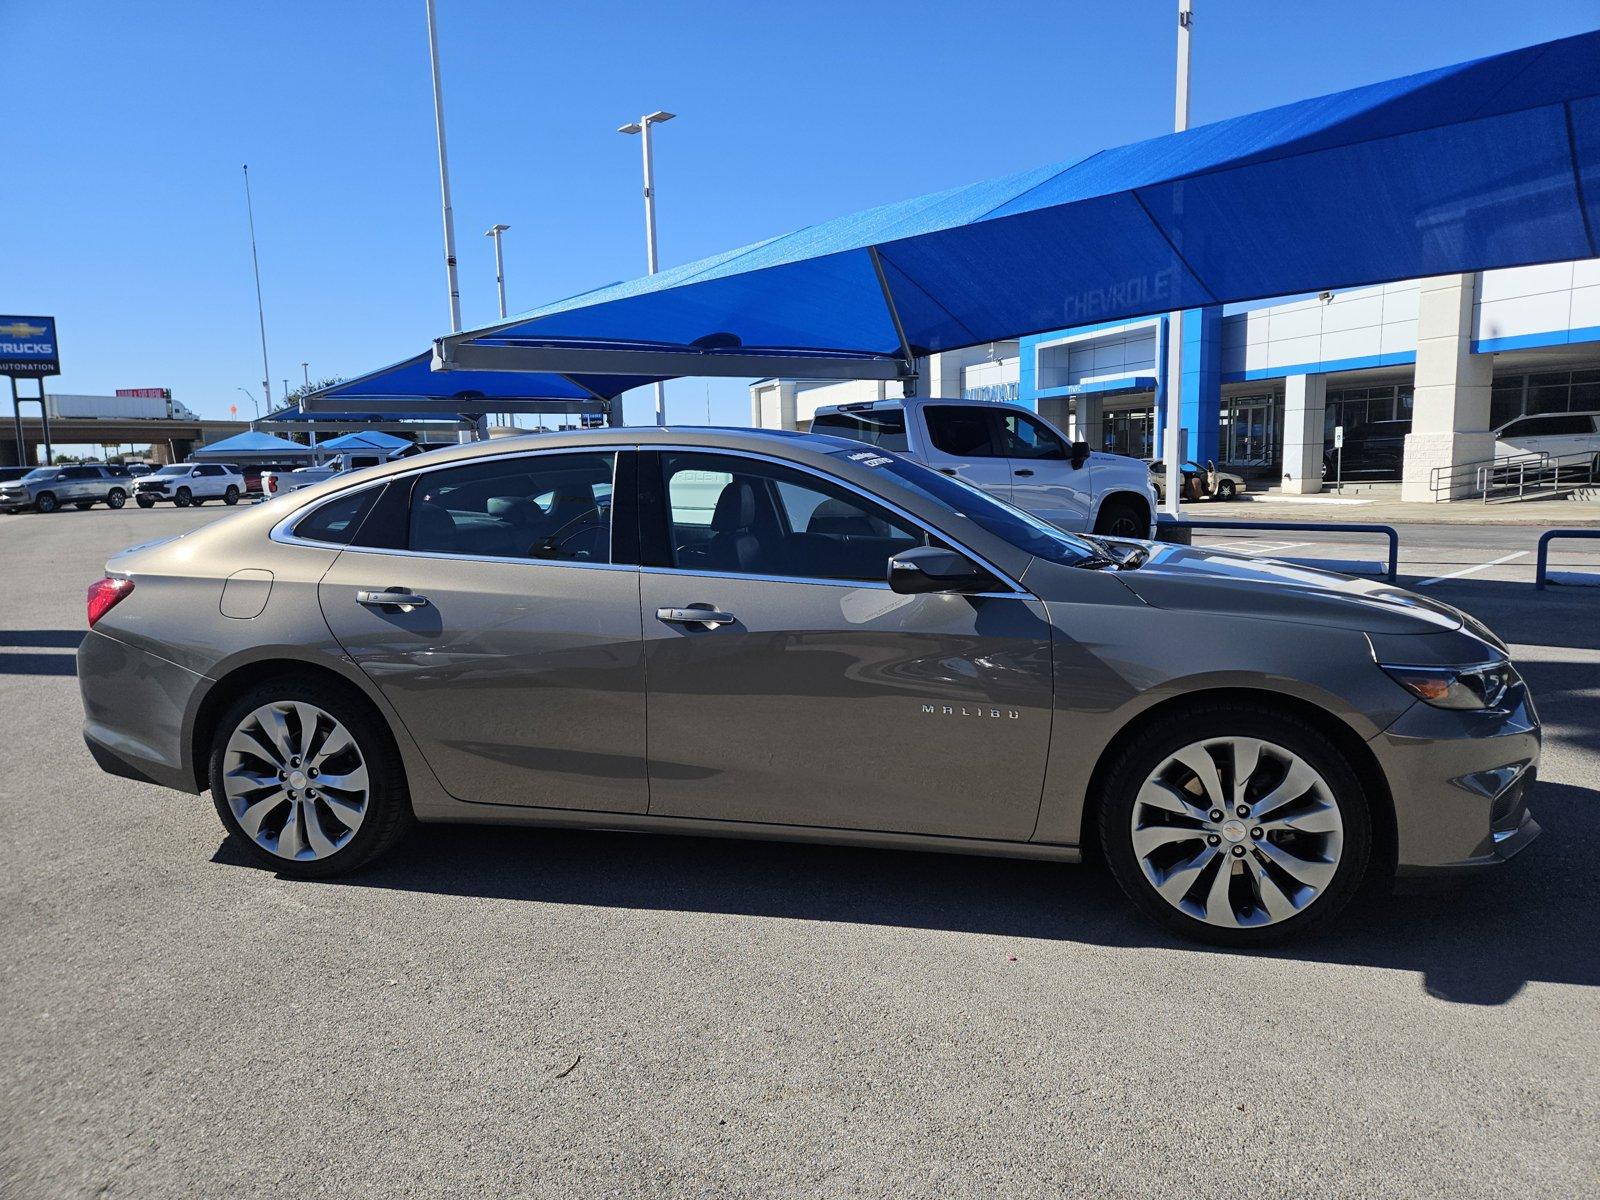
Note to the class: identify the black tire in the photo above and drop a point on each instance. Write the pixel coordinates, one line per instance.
(231, 496)
(1181, 728)
(389, 817)
(46, 502)
(116, 498)
(183, 497)
(199, 500)
(1122, 517)
(1226, 489)
(81, 505)
(145, 500)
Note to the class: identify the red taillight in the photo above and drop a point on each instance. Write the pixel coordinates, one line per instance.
(271, 482)
(106, 594)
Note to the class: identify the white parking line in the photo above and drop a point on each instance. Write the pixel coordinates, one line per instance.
(1494, 562)
(1270, 549)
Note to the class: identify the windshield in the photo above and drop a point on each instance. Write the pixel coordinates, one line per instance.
(174, 469)
(39, 474)
(1006, 521)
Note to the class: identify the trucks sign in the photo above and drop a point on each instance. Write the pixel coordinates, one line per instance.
(28, 347)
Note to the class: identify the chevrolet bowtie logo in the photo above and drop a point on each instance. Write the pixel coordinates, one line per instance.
(21, 329)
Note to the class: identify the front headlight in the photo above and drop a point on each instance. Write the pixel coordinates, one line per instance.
(1482, 685)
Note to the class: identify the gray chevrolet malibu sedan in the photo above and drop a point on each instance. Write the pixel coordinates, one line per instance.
(769, 635)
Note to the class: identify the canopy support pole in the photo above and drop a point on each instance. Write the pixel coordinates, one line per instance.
(613, 403)
(909, 376)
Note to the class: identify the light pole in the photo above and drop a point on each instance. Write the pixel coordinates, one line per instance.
(642, 127)
(499, 265)
(1173, 384)
(444, 175)
(253, 403)
(261, 313)
(305, 373)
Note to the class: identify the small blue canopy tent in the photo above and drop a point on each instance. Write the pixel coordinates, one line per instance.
(410, 388)
(254, 446)
(1490, 163)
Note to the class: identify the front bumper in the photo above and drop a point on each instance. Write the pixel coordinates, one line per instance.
(1461, 782)
(15, 501)
(136, 707)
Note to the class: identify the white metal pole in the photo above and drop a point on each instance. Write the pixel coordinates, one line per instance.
(1173, 384)
(261, 314)
(499, 266)
(650, 239)
(444, 175)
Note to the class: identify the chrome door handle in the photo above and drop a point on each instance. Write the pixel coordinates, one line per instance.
(694, 616)
(393, 598)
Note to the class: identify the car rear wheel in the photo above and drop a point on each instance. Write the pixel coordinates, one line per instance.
(46, 502)
(116, 498)
(183, 497)
(307, 779)
(231, 496)
(1235, 826)
(144, 500)
(1123, 518)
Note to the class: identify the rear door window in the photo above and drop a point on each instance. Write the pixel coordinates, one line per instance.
(550, 507)
(962, 431)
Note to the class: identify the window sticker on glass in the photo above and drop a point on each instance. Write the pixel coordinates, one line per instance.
(869, 458)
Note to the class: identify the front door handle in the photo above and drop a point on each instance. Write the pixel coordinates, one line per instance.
(947, 470)
(703, 615)
(392, 598)
(1023, 471)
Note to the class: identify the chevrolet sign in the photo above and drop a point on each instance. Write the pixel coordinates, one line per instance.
(28, 347)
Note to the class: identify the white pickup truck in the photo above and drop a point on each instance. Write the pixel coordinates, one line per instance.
(281, 483)
(1011, 452)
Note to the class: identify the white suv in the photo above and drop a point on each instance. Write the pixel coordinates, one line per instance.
(189, 483)
(1011, 452)
(1558, 434)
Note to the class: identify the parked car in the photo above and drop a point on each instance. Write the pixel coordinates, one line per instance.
(45, 489)
(1559, 435)
(1010, 452)
(1199, 482)
(189, 483)
(1374, 450)
(826, 642)
(281, 481)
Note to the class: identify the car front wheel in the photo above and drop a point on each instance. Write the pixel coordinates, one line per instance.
(1123, 518)
(46, 502)
(1235, 825)
(1226, 489)
(183, 497)
(307, 780)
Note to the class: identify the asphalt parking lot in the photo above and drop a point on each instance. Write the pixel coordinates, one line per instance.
(513, 1012)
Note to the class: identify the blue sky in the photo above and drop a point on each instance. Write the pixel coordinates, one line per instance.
(123, 212)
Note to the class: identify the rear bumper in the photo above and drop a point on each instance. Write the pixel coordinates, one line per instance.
(1461, 783)
(136, 708)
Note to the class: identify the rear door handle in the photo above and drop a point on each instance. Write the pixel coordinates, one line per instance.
(392, 598)
(1024, 471)
(694, 616)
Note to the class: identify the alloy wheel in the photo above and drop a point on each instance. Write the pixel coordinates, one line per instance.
(1237, 832)
(296, 781)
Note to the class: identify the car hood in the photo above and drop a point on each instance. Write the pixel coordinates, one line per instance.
(1186, 577)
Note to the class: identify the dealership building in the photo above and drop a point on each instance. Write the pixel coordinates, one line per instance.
(1445, 361)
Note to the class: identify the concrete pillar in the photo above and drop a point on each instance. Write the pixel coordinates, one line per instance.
(1450, 412)
(1304, 399)
(1088, 421)
(941, 375)
(772, 404)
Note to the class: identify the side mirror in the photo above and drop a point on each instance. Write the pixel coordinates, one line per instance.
(935, 569)
(1080, 454)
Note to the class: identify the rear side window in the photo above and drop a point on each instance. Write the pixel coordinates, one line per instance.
(555, 507)
(961, 432)
(884, 427)
(337, 521)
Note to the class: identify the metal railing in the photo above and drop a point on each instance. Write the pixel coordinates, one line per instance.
(1388, 531)
(1540, 573)
(1477, 476)
(1533, 471)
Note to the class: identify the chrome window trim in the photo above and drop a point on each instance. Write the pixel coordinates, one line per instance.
(918, 522)
(279, 533)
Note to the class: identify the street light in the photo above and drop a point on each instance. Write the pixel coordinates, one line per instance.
(253, 403)
(642, 127)
(499, 265)
(1173, 384)
(305, 371)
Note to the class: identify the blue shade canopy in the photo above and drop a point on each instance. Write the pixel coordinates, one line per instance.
(364, 439)
(1490, 163)
(252, 443)
(412, 389)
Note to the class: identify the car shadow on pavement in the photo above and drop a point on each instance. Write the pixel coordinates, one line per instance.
(1477, 941)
